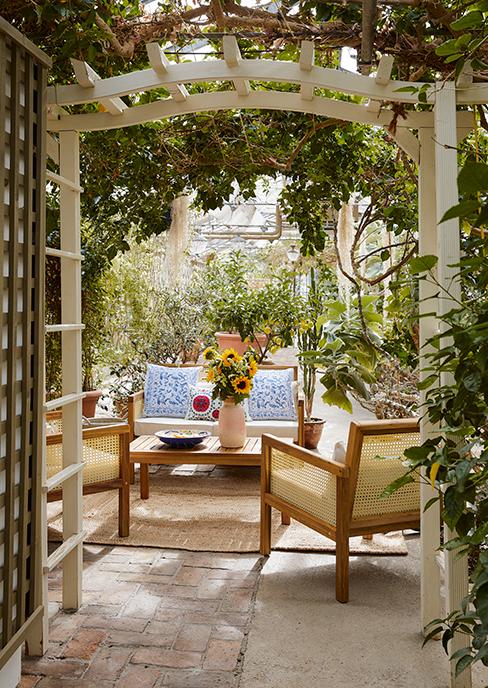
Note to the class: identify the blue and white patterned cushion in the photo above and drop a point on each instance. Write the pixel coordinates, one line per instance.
(271, 397)
(167, 390)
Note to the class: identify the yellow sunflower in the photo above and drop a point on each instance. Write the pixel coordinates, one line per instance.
(209, 353)
(210, 375)
(242, 385)
(229, 357)
(253, 367)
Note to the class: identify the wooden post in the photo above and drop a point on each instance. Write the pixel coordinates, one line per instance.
(71, 363)
(430, 597)
(448, 247)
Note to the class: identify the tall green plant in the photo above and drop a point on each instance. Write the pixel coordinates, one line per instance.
(347, 354)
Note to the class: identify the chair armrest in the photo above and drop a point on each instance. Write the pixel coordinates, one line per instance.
(106, 430)
(135, 409)
(329, 465)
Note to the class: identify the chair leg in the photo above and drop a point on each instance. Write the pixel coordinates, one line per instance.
(124, 515)
(285, 519)
(265, 544)
(342, 569)
(132, 474)
(368, 537)
(144, 480)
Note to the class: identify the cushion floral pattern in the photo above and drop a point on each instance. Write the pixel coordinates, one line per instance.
(271, 397)
(201, 405)
(167, 390)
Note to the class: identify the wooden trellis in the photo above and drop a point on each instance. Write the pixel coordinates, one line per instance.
(429, 138)
(22, 188)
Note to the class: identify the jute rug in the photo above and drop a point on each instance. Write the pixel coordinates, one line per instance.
(198, 508)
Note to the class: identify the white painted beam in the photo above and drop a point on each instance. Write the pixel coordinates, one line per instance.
(306, 62)
(233, 58)
(52, 148)
(408, 142)
(160, 64)
(70, 219)
(383, 73)
(430, 584)
(228, 100)
(465, 78)
(87, 78)
(449, 253)
(252, 70)
(157, 59)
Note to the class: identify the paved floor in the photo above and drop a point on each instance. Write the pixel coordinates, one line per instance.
(150, 618)
(300, 637)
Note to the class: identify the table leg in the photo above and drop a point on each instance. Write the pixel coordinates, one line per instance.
(285, 519)
(144, 478)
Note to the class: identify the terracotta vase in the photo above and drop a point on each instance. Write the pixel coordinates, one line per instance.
(232, 425)
(89, 403)
(313, 432)
(228, 340)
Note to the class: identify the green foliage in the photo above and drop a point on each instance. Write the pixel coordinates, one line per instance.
(322, 287)
(235, 305)
(147, 322)
(347, 354)
(457, 461)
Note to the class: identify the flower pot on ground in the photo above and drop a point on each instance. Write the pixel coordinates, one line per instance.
(313, 428)
(231, 375)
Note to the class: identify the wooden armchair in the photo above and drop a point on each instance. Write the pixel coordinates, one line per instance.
(341, 500)
(105, 458)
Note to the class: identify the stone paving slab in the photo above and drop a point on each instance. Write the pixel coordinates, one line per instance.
(152, 619)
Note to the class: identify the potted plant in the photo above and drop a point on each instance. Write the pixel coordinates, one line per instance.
(347, 353)
(264, 317)
(309, 336)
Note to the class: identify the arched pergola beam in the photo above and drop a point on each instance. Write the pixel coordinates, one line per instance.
(230, 100)
(277, 71)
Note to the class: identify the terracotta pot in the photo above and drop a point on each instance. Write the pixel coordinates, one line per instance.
(89, 403)
(229, 340)
(313, 432)
(232, 425)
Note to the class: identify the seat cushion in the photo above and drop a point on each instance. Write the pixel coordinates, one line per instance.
(148, 426)
(254, 428)
(167, 390)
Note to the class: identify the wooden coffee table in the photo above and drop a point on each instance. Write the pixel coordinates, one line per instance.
(146, 450)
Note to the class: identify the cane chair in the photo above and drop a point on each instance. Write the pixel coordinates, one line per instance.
(105, 458)
(341, 500)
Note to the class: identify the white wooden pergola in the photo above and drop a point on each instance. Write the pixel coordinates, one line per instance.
(428, 137)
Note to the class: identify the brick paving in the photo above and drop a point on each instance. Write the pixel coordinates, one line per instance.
(150, 619)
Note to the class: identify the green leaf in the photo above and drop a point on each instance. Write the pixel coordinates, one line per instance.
(473, 177)
(422, 264)
(446, 48)
(453, 506)
(397, 484)
(336, 397)
(464, 662)
(474, 18)
(462, 209)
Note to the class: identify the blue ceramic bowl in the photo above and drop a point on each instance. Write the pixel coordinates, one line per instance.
(182, 439)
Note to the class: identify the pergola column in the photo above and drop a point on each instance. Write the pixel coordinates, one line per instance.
(448, 247)
(430, 597)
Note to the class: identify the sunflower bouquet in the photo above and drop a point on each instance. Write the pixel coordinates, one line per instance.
(230, 373)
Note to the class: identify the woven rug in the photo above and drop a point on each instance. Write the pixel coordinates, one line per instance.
(206, 509)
